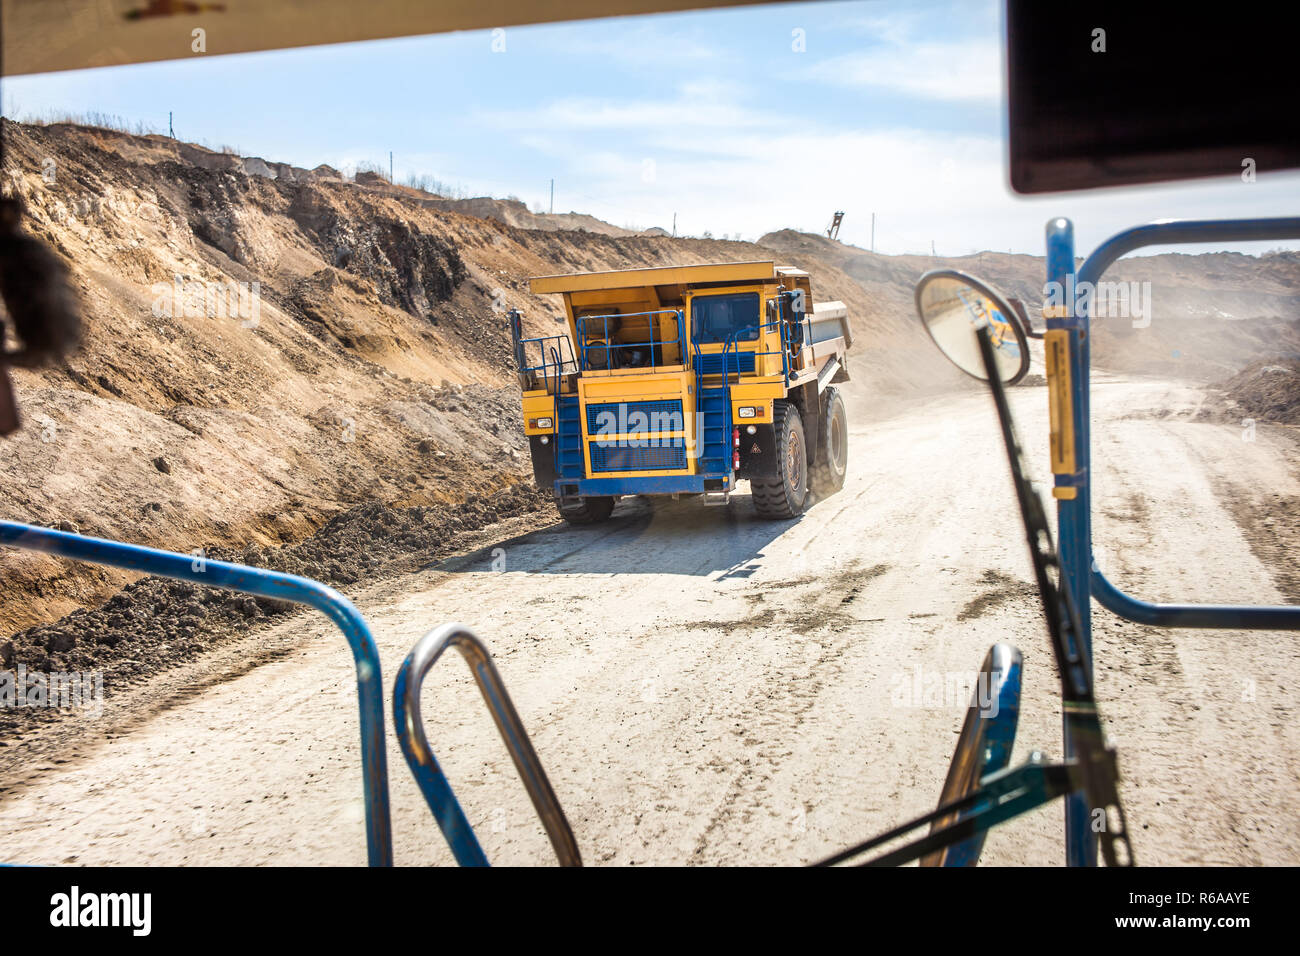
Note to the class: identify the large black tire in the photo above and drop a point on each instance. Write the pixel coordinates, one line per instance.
(590, 510)
(784, 494)
(832, 460)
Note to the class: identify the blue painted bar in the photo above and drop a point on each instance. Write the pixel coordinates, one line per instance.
(993, 736)
(433, 782)
(1173, 232)
(424, 766)
(269, 584)
(1164, 232)
(1072, 516)
(585, 347)
(1243, 617)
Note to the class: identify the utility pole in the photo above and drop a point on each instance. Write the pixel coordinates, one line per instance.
(873, 232)
(390, 165)
(674, 225)
(552, 197)
(170, 131)
(932, 255)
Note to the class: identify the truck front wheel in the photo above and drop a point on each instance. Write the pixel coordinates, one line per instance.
(784, 493)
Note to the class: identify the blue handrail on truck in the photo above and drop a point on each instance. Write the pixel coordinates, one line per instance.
(446, 809)
(610, 348)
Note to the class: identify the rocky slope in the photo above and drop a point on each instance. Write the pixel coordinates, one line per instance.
(268, 346)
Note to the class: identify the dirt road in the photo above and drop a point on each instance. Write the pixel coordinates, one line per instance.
(708, 688)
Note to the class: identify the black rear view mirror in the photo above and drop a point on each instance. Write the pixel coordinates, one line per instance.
(952, 305)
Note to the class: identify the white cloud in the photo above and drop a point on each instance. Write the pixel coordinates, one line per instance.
(699, 104)
(751, 182)
(954, 71)
(923, 187)
(725, 166)
(637, 42)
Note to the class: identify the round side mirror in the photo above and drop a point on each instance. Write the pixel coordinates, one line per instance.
(952, 305)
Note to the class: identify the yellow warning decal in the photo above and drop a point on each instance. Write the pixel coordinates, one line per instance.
(1056, 345)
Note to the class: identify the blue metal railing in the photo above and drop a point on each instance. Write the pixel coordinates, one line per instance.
(787, 345)
(984, 745)
(268, 584)
(735, 338)
(731, 351)
(1165, 232)
(1074, 515)
(613, 349)
(552, 365)
(550, 349)
(424, 766)
(555, 414)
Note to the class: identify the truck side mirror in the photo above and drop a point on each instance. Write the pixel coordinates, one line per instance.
(792, 304)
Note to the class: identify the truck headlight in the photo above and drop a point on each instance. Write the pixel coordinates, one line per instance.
(544, 423)
(748, 411)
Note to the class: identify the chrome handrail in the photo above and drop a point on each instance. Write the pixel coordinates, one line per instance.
(984, 746)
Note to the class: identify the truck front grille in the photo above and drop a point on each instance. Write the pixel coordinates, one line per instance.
(617, 418)
(711, 363)
(666, 455)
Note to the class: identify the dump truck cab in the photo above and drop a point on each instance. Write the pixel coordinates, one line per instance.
(681, 380)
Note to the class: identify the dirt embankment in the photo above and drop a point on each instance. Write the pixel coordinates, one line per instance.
(1199, 318)
(264, 350)
(360, 353)
(156, 623)
(1267, 391)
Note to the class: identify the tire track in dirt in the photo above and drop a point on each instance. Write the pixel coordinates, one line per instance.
(827, 613)
(706, 687)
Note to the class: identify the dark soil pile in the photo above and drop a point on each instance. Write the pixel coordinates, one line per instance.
(155, 623)
(1268, 391)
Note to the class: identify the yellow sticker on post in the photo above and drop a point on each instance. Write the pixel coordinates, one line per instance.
(1056, 346)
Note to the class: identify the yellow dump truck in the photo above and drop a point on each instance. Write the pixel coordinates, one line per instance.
(682, 380)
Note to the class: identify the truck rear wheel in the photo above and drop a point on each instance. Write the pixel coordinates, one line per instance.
(589, 510)
(832, 460)
(784, 494)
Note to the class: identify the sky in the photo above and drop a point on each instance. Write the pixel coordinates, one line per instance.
(737, 122)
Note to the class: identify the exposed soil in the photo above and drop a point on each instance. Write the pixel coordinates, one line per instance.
(706, 687)
(156, 623)
(1267, 391)
(703, 686)
(1001, 588)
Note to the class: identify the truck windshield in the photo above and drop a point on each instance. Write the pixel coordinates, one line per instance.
(716, 317)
